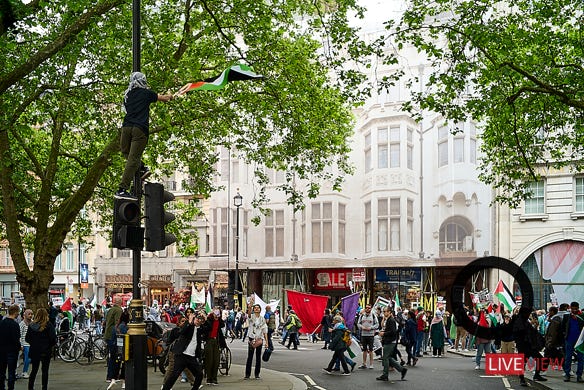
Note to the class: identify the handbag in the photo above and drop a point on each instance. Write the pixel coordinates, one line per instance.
(254, 343)
(266, 355)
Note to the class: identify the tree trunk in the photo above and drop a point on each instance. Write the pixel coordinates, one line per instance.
(35, 285)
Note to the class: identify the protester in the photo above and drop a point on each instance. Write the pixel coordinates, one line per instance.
(368, 325)
(187, 352)
(338, 346)
(270, 317)
(526, 337)
(172, 337)
(437, 333)
(9, 346)
(212, 334)
(24, 324)
(572, 324)
(389, 336)
(134, 132)
(326, 323)
(292, 325)
(410, 333)
(121, 328)
(257, 333)
(42, 337)
(112, 318)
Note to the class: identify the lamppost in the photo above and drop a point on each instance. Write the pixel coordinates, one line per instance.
(237, 202)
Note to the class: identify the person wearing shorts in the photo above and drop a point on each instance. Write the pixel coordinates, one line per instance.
(368, 324)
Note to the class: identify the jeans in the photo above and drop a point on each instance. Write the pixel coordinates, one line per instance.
(482, 347)
(270, 343)
(388, 359)
(8, 361)
(25, 350)
(113, 365)
(258, 363)
(568, 360)
(349, 361)
(419, 342)
(182, 362)
(133, 141)
(340, 357)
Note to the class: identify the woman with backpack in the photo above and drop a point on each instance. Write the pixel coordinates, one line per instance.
(339, 346)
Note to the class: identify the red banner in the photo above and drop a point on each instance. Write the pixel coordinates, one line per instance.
(308, 307)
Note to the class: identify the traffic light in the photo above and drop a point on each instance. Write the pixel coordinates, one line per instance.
(127, 232)
(156, 217)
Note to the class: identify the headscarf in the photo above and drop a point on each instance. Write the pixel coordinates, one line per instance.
(137, 80)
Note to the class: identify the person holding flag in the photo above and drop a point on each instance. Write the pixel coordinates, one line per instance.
(573, 329)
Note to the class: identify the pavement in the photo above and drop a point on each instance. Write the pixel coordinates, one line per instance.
(72, 376)
(555, 378)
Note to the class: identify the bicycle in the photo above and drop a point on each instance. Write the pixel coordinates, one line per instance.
(224, 361)
(68, 347)
(95, 347)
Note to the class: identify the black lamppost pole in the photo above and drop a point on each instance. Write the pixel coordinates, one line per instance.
(237, 202)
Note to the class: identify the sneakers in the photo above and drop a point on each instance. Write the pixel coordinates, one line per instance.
(403, 373)
(124, 194)
(566, 378)
(24, 375)
(382, 378)
(346, 373)
(353, 366)
(362, 367)
(371, 366)
(477, 367)
(415, 361)
(258, 377)
(328, 371)
(112, 384)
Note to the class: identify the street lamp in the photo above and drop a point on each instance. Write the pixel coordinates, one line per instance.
(237, 202)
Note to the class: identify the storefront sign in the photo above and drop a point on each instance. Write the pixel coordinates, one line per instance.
(332, 279)
(359, 275)
(401, 275)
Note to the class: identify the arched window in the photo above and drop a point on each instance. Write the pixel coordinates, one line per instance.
(456, 235)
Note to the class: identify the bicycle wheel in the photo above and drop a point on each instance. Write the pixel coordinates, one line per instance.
(99, 348)
(86, 357)
(69, 350)
(225, 361)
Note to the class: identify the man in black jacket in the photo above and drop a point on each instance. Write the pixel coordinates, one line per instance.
(9, 346)
(187, 352)
(389, 337)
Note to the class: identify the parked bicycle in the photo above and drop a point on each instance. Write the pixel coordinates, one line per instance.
(93, 347)
(68, 346)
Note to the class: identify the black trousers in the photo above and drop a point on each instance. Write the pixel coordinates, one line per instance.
(45, 360)
(182, 361)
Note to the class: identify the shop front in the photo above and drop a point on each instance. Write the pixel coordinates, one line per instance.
(160, 289)
(405, 283)
(118, 284)
(335, 283)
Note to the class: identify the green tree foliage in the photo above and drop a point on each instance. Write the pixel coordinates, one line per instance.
(64, 69)
(515, 66)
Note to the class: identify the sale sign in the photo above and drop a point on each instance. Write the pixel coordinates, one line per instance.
(332, 279)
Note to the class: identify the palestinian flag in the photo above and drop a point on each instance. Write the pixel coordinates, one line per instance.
(397, 302)
(233, 73)
(209, 303)
(579, 346)
(504, 295)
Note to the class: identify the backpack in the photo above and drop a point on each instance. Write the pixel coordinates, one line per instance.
(347, 337)
(231, 317)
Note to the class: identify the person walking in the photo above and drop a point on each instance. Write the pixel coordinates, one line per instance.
(172, 337)
(121, 328)
(134, 132)
(526, 336)
(326, 323)
(410, 333)
(389, 336)
(368, 324)
(42, 337)
(81, 315)
(270, 317)
(483, 345)
(112, 318)
(9, 347)
(212, 333)
(24, 324)
(338, 346)
(292, 325)
(257, 334)
(571, 326)
(187, 352)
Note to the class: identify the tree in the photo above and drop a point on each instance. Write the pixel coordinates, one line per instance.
(65, 67)
(514, 66)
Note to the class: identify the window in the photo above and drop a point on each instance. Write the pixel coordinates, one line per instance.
(7, 257)
(224, 158)
(223, 231)
(367, 152)
(322, 227)
(220, 230)
(274, 231)
(454, 238)
(235, 171)
(242, 231)
(442, 146)
(473, 151)
(579, 194)
(341, 244)
(535, 204)
(367, 227)
(394, 147)
(382, 224)
(303, 232)
(410, 149)
(458, 146)
(410, 228)
(58, 263)
(382, 148)
(394, 222)
(70, 258)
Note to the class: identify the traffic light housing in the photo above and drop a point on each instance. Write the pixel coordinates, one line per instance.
(156, 217)
(127, 232)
